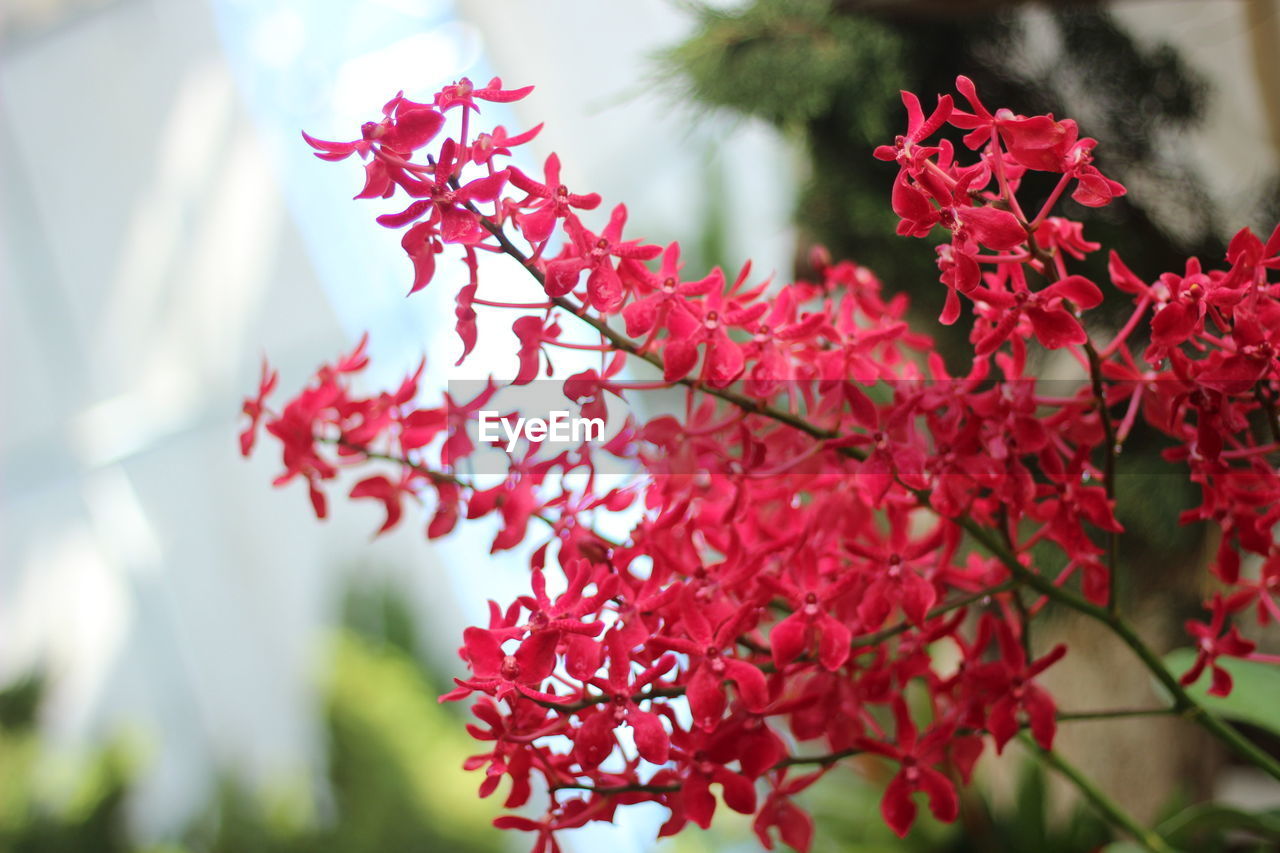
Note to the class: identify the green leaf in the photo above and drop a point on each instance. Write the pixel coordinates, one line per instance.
(1191, 824)
(1254, 699)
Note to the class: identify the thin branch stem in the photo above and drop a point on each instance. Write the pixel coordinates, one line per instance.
(1109, 808)
(1113, 714)
(1268, 402)
(441, 477)
(621, 342)
(617, 789)
(877, 637)
(831, 758)
(602, 698)
(825, 760)
(1109, 472)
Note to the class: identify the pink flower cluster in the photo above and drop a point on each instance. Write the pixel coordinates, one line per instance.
(849, 570)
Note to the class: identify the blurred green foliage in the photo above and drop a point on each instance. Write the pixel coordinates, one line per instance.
(1213, 828)
(395, 772)
(846, 807)
(394, 783)
(91, 820)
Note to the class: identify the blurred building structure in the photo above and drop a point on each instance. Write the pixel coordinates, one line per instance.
(164, 227)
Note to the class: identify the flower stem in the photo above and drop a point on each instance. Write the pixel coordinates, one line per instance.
(442, 477)
(1109, 473)
(1109, 808)
(880, 636)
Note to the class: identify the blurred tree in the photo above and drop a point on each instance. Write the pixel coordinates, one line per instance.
(828, 72)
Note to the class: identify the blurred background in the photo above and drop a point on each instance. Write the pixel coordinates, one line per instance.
(188, 660)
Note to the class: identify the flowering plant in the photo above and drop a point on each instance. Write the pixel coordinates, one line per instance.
(837, 548)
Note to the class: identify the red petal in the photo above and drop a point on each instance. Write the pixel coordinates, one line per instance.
(679, 358)
(466, 320)
(537, 656)
(1042, 714)
(1003, 722)
(699, 804)
(996, 229)
(796, 827)
(1034, 132)
(912, 206)
(413, 129)
(1227, 566)
(537, 226)
(318, 502)
(1123, 277)
(483, 651)
(834, 648)
(641, 315)
(1221, 682)
(759, 751)
(404, 217)
(582, 656)
(456, 225)
(706, 700)
(332, 151)
(965, 752)
(604, 288)
(724, 361)
(562, 276)
(875, 606)
(484, 189)
(788, 639)
(918, 595)
(652, 741)
(937, 118)
(967, 274)
(1173, 324)
(502, 95)
(594, 740)
(1079, 290)
(751, 684)
(1056, 328)
(739, 793)
(1234, 374)
(1192, 675)
(943, 801)
(915, 115)
(528, 184)
(951, 309)
(419, 242)
(896, 807)
(377, 181)
(444, 520)
(381, 489)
